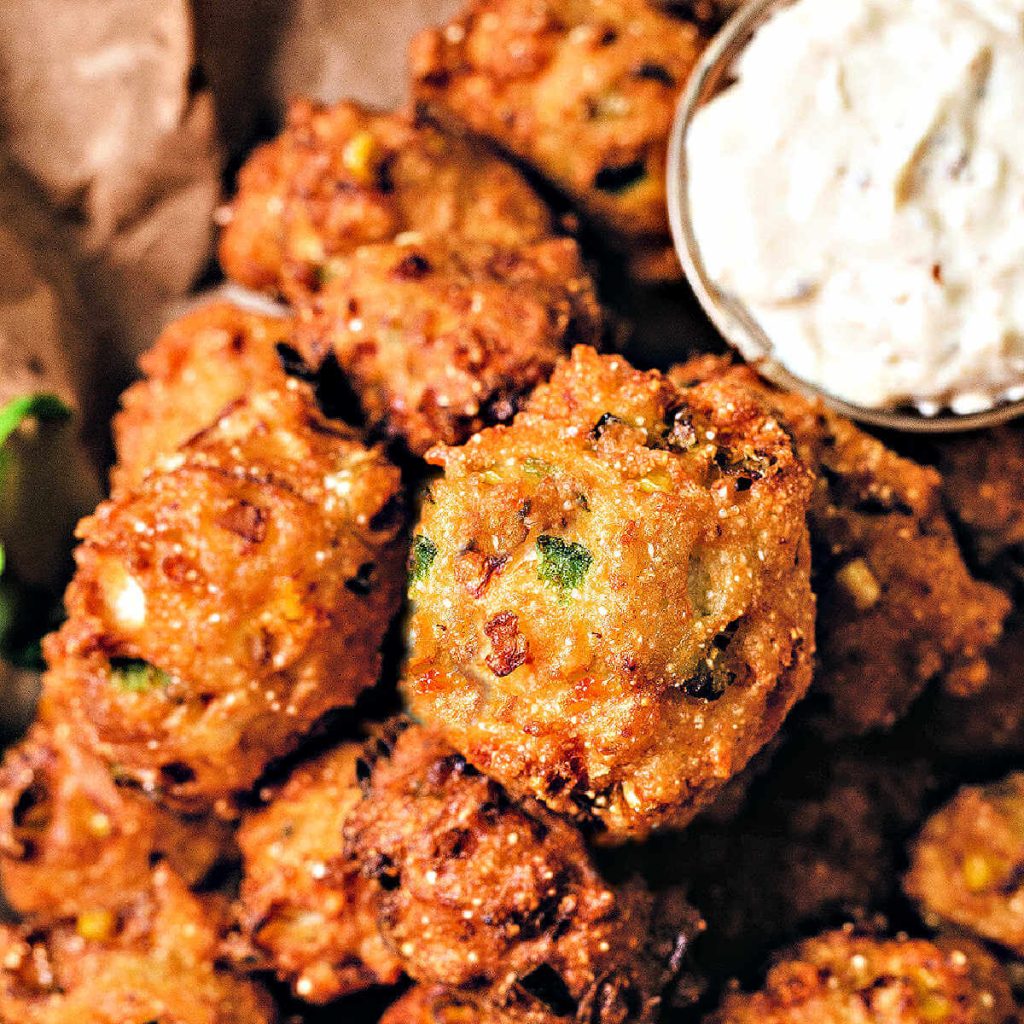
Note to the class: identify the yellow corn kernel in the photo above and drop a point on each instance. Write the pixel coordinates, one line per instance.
(935, 1007)
(289, 603)
(979, 872)
(857, 579)
(96, 925)
(657, 481)
(359, 157)
(100, 825)
(307, 246)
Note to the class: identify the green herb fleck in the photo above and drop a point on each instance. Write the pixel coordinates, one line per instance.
(537, 467)
(709, 681)
(565, 565)
(424, 551)
(40, 406)
(132, 675)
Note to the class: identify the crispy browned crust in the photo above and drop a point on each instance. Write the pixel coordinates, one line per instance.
(967, 866)
(257, 568)
(344, 176)
(897, 606)
(820, 838)
(440, 339)
(313, 925)
(435, 1004)
(845, 977)
(503, 900)
(983, 478)
(198, 366)
(73, 841)
(987, 724)
(582, 90)
(154, 962)
(683, 632)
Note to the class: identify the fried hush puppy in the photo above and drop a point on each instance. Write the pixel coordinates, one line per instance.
(198, 366)
(967, 866)
(440, 339)
(234, 596)
(845, 977)
(503, 900)
(897, 606)
(344, 176)
(820, 838)
(611, 604)
(74, 842)
(154, 964)
(313, 925)
(582, 90)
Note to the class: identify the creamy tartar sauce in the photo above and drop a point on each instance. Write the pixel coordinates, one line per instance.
(860, 190)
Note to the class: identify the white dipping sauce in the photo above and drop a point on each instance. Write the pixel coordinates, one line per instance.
(860, 189)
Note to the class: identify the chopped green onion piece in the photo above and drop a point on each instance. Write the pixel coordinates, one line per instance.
(564, 565)
(424, 551)
(40, 406)
(132, 675)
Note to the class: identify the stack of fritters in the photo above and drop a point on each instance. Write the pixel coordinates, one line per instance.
(618, 584)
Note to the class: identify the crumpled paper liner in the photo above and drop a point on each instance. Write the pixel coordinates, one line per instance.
(95, 107)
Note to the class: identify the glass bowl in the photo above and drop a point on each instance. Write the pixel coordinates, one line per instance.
(735, 323)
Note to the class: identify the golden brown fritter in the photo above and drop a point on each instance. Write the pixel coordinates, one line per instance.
(820, 838)
(582, 90)
(473, 891)
(313, 925)
(155, 964)
(844, 977)
(238, 593)
(967, 866)
(983, 478)
(344, 176)
(73, 841)
(198, 366)
(611, 606)
(897, 606)
(440, 339)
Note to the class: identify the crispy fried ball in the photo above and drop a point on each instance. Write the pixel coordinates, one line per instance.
(820, 838)
(582, 90)
(844, 977)
(344, 176)
(73, 841)
(503, 900)
(154, 964)
(198, 366)
(967, 866)
(611, 606)
(238, 593)
(897, 606)
(440, 339)
(983, 478)
(314, 926)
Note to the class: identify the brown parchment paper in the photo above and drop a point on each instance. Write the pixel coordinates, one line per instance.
(96, 108)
